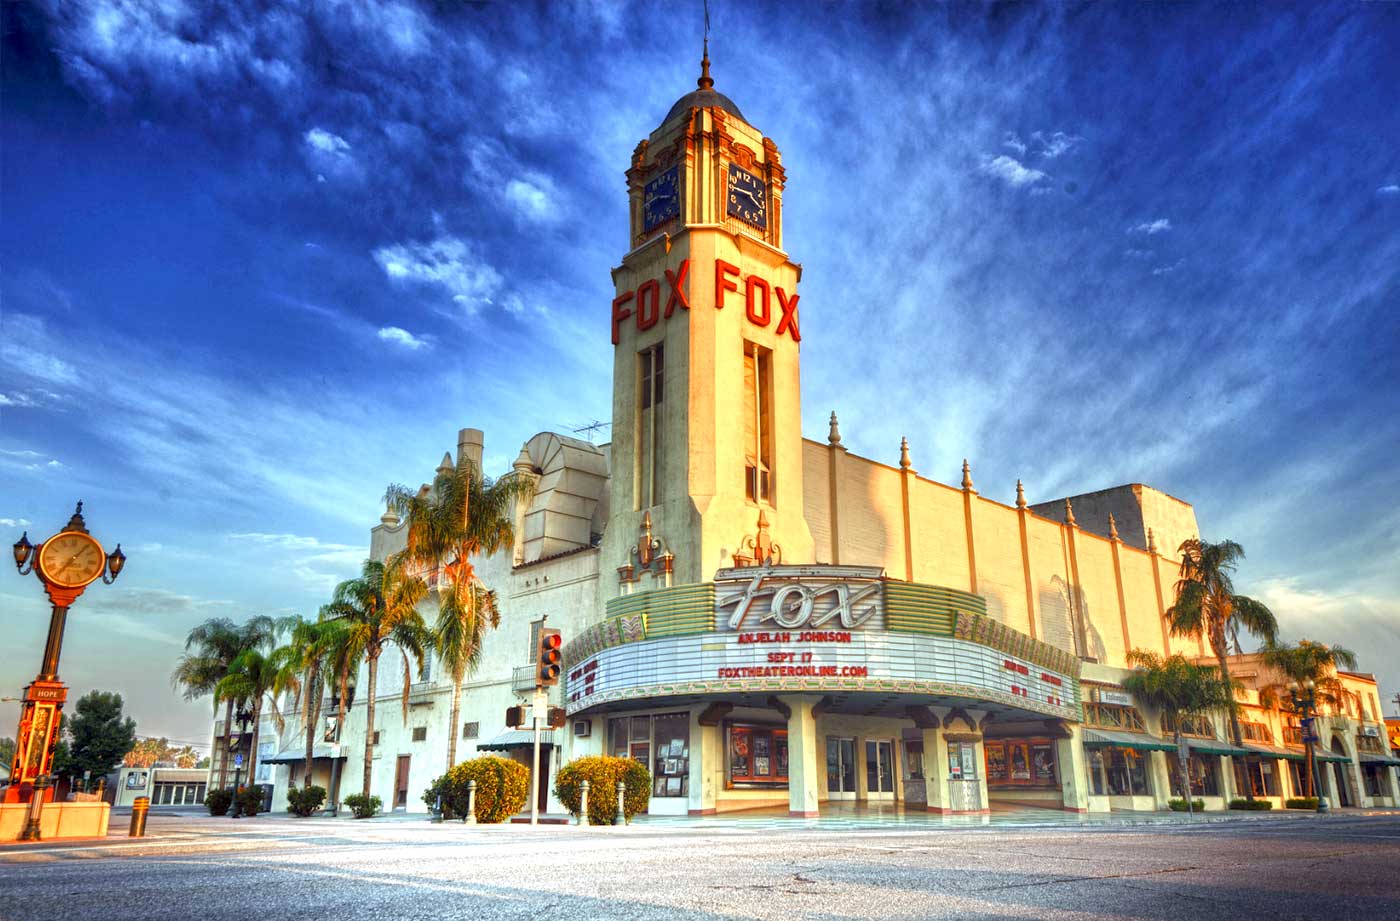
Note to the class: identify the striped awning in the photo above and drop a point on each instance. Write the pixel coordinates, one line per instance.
(1107, 738)
(516, 738)
(1272, 751)
(1216, 747)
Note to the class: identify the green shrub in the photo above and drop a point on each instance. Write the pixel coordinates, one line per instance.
(363, 807)
(602, 773)
(1179, 805)
(218, 801)
(502, 786)
(1301, 802)
(305, 800)
(1254, 805)
(252, 800)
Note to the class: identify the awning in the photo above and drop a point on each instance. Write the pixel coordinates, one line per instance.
(1331, 756)
(1216, 747)
(1107, 738)
(516, 738)
(1271, 751)
(1373, 758)
(298, 755)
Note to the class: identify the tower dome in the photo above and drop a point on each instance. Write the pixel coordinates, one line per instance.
(705, 96)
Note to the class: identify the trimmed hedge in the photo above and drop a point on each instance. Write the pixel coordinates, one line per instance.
(218, 801)
(363, 807)
(304, 801)
(603, 773)
(502, 786)
(1257, 805)
(1179, 805)
(252, 800)
(1301, 802)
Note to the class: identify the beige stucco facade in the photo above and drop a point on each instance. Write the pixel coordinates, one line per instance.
(769, 620)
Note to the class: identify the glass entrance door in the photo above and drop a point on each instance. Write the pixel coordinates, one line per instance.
(840, 768)
(879, 768)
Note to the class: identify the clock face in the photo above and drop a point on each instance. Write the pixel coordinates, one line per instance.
(71, 559)
(748, 197)
(661, 199)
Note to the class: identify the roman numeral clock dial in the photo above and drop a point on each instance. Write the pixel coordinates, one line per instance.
(748, 197)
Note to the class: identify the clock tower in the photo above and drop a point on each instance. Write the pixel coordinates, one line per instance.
(706, 337)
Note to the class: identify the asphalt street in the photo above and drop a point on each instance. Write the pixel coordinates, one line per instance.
(1334, 868)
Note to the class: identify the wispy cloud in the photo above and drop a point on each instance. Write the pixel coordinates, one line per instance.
(1151, 228)
(1013, 141)
(1053, 145)
(1389, 190)
(14, 522)
(1168, 269)
(1010, 171)
(448, 262)
(402, 337)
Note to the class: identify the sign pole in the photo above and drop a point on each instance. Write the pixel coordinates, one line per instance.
(537, 707)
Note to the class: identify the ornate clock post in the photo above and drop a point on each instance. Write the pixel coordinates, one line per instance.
(66, 563)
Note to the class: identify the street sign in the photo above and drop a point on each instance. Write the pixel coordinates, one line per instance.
(1309, 727)
(238, 760)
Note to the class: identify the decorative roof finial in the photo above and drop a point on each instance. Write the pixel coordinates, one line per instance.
(967, 475)
(446, 465)
(834, 436)
(1151, 542)
(1020, 495)
(904, 454)
(1112, 527)
(705, 82)
(1069, 514)
(390, 518)
(76, 523)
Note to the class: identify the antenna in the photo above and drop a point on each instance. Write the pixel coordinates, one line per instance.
(590, 429)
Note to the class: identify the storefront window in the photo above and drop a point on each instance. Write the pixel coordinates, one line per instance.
(1118, 772)
(1298, 774)
(1259, 775)
(1374, 775)
(1021, 762)
(1204, 771)
(671, 772)
(962, 761)
(757, 755)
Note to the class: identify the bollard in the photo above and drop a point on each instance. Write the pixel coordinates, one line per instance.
(620, 818)
(471, 802)
(139, 808)
(583, 803)
(437, 809)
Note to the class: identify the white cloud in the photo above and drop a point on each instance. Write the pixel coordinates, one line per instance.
(1013, 141)
(1161, 225)
(1010, 170)
(14, 522)
(1053, 145)
(447, 262)
(402, 337)
(27, 460)
(1135, 253)
(1391, 189)
(534, 199)
(315, 564)
(1168, 269)
(329, 154)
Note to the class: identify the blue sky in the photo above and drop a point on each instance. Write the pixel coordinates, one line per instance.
(256, 265)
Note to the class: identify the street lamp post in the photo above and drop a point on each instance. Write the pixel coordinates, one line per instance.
(67, 563)
(1304, 700)
(244, 717)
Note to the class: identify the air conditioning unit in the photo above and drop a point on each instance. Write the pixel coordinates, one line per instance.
(1371, 732)
(583, 729)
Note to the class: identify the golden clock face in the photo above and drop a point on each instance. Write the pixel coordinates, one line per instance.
(71, 559)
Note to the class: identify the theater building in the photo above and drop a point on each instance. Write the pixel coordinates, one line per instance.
(770, 620)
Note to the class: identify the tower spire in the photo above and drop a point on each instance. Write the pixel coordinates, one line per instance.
(705, 82)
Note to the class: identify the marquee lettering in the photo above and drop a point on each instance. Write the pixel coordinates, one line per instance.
(792, 605)
(643, 306)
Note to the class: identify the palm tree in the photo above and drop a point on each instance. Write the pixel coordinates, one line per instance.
(463, 515)
(210, 650)
(311, 644)
(1179, 688)
(255, 679)
(1312, 665)
(1207, 607)
(378, 608)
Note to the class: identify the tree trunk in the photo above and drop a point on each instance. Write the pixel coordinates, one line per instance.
(373, 658)
(309, 714)
(1181, 759)
(228, 741)
(1235, 735)
(253, 745)
(452, 731)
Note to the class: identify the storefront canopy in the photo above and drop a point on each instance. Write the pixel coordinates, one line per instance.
(1107, 738)
(516, 738)
(298, 754)
(1216, 747)
(1271, 751)
(1372, 758)
(1331, 756)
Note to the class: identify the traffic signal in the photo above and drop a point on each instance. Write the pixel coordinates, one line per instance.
(548, 659)
(515, 717)
(555, 718)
